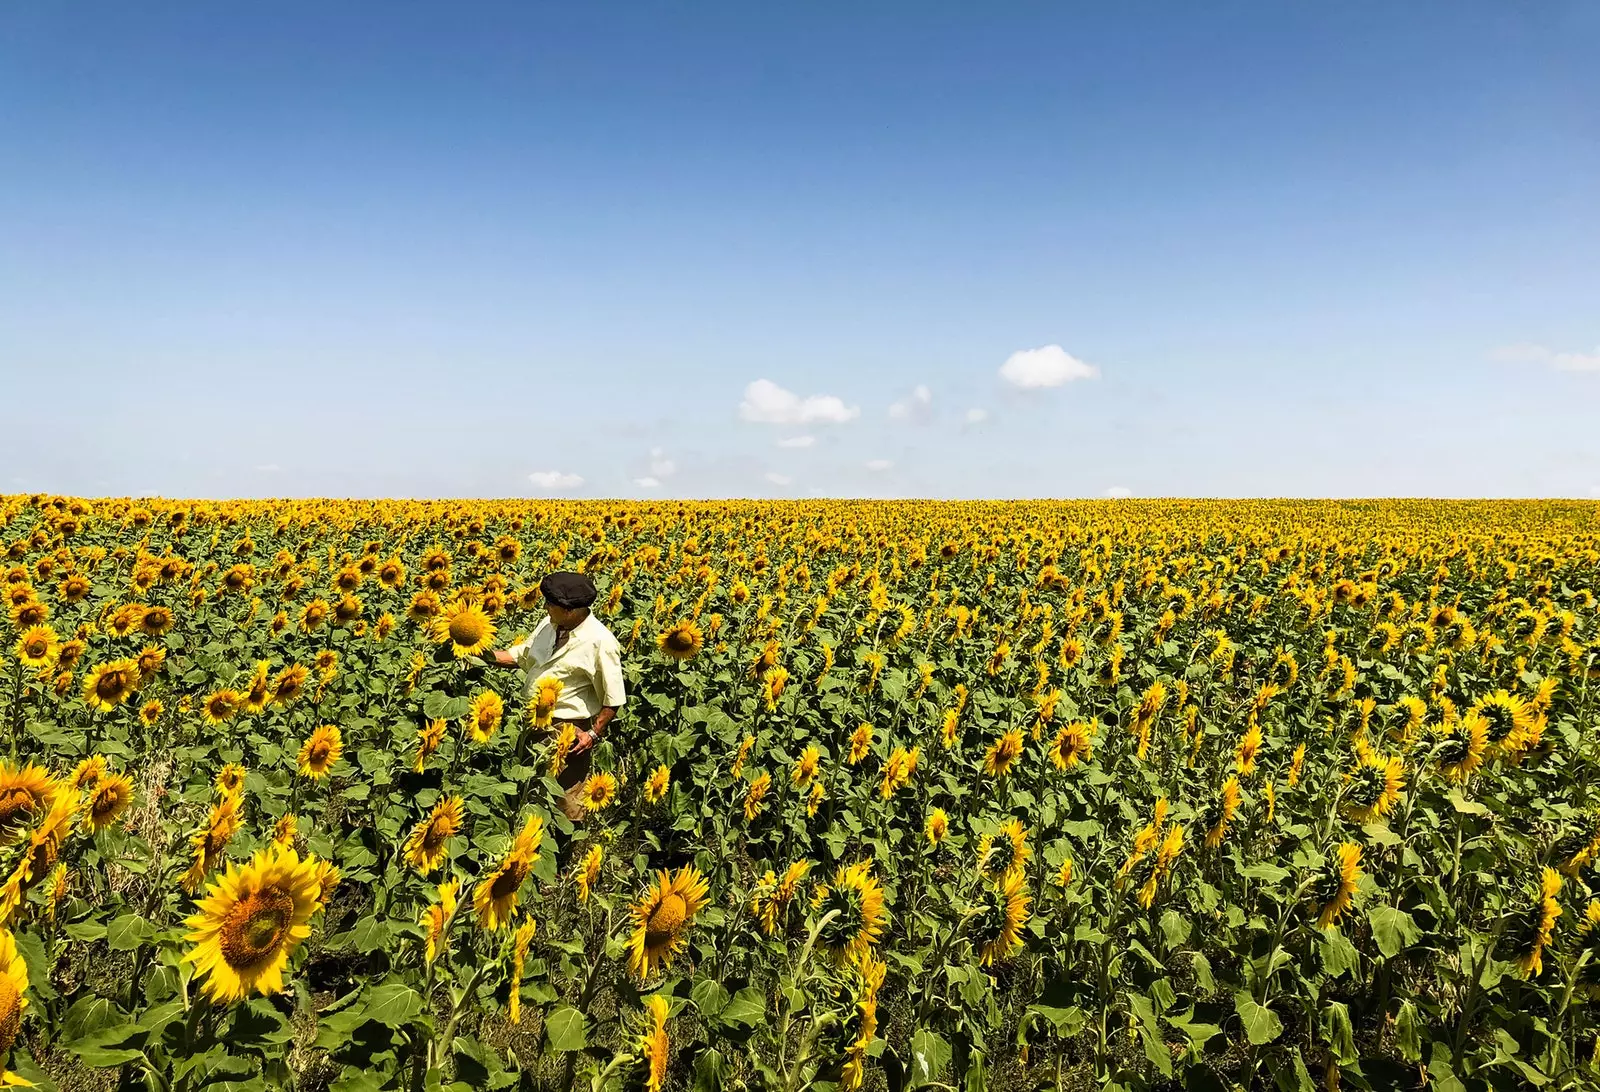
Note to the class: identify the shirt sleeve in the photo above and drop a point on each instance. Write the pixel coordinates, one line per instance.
(522, 651)
(608, 674)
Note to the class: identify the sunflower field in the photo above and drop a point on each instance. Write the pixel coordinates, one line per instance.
(1025, 795)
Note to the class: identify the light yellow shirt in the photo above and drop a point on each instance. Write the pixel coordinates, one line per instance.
(589, 667)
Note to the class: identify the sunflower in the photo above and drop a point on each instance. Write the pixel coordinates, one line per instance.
(1372, 787)
(598, 791)
(661, 920)
(519, 955)
(1160, 867)
(588, 872)
(683, 640)
(860, 919)
(320, 751)
(283, 831)
(424, 607)
(437, 916)
(151, 660)
(897, 771)
(814, 799)
(755, 796)
(108, 799)
(860, 743)
(429, 736)
(1244, 756)
(546, 692)
(250, 921)
(289, 684)
(109, 685)
(1219, 816)
(327, 664)
(996, 921)
(230, 779)
(484, 715)
(464, 627)
(1296, 765)
(656, 785)
(38, 647)
(221, 706)
(87, 773)
(998, 759)
(1006, 850)
(937, 826)
(259, 691)
(773, 895)
(209, 841)
(494, 901)
(13, 999)
(860, 1027)
(744, 752)
(1529, 926)
(24, 792)
(650, 1045)
(313, 614)
(1507, 718)
(1335, 890)
(1461, 747)
(805, 768)
(1074, 743)
(425, 846)
(70, 652)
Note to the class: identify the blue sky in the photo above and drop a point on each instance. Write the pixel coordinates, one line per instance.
(789, 250)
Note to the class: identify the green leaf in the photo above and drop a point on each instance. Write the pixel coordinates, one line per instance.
(392, 1004)
(1175, 927)
(370, 934)
(1269, 874)
(104, 1057)
(1067, 1021)
(748, 1007)
(1338, 1033)
(1261, 1024)
(40, 965)
(709, 997)
(1407, 1036)
(1338, 954)
(930, 1053)
(1393, 930)
(1465, 806)
(127, 932)
(566, 1029)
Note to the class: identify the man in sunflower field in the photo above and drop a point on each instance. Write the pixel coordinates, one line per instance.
(574, 675)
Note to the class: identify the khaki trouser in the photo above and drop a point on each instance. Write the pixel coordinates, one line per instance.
(573, 774)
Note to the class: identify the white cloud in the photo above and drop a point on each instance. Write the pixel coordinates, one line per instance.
(269, 468)
(778, 479)
(1049, 366)
(767, 403)
(1119, 492)
(1539, 354)
(797, 441)
(977, 415)
(879, 464)
(554, 479)
(660, 465)
(647, 483)
(919, 407)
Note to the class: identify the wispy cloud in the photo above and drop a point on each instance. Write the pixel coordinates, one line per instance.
(797, 441)
(1539, 354)
(767, 403)
(555, 479)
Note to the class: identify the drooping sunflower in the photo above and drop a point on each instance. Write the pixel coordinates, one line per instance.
(755, 796)
(1219, 816)
(426, 845)
(598, 791)
(1002, 753)
(464, 626)
(484, 716)
(13, 999)
(806, 767)
(284, 830)
(650, 1044)
(208, 842)
(429, 736)
(152, 659)
(860, 743)
(1530, 924)
(1074, 743)
(109, 685)
(437, 916)
(289, 684)
(1249, 748)
(683, 640)
(661, 920)
(259, 692)
(87, 773)
(320, 751)
(860, 920)
(520, 941)
(1006, 850)
(1372, 787)
(656, 785)
(937, 826)
(494, 900)
(108, 799)
(998, 918)
(25, 791)
(588, 872)
(46, 839)
(1335, 889)
(230, 779)
(250, 921)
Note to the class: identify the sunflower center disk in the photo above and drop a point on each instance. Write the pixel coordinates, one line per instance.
(665, 920)
(10, 1013)
(255, 928)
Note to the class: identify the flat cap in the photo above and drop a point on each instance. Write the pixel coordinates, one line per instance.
(570, 590)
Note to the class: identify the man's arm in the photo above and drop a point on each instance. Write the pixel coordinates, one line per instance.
(499, 657)
(591, 736)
